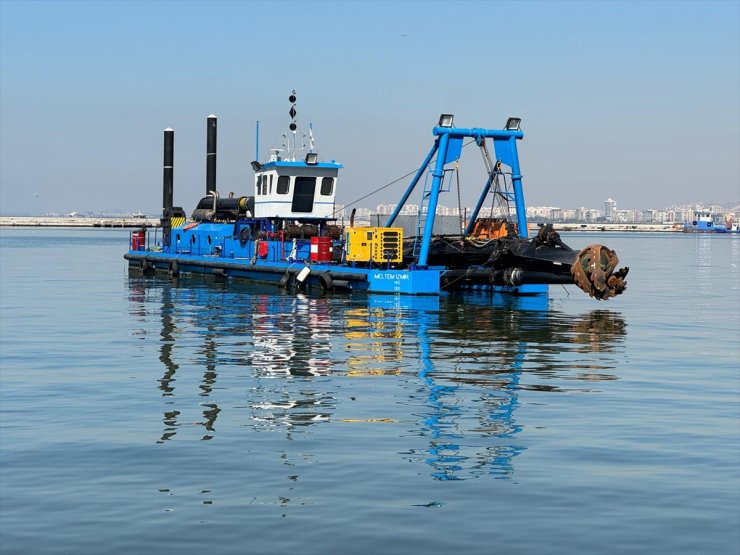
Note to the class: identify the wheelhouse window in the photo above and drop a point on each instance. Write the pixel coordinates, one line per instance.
(304, 190)
(327, 186)
(283, 185)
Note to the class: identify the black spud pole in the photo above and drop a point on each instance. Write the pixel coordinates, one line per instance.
(167, 168)
(167, 184)
(211, 155)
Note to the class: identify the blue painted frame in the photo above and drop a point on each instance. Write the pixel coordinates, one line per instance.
(504, 141)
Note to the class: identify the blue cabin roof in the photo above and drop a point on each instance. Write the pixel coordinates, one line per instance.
(299, 164)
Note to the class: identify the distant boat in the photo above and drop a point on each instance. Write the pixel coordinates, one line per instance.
(139, 215)
(705, 222)
(731, 226)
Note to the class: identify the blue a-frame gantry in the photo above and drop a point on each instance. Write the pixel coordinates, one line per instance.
(448, 147)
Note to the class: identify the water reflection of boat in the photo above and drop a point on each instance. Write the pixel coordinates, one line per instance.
(277, 336)
(459, 364)
(473, 376)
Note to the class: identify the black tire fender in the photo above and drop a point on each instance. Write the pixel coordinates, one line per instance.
(327, 284)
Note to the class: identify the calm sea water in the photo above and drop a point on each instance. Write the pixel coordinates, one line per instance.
(193, 416)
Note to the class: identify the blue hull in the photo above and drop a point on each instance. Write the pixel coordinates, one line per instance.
(325, 276)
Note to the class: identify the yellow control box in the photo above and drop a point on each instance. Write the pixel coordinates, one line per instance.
(377, 244)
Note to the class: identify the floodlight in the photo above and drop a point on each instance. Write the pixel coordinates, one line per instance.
(312, 158)
(512, 124)
(256, 166)
(445, 120)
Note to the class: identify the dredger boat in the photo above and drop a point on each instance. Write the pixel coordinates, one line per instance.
(286, 232)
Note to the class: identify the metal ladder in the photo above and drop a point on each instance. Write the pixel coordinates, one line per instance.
(427, 192)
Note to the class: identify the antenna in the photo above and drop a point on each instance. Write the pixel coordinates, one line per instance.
(257, 146)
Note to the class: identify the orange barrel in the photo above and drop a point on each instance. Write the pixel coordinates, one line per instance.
(138, 239)
(321, 249)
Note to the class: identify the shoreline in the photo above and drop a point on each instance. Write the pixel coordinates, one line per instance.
(129, 222)
(63, 221)
(636, 228)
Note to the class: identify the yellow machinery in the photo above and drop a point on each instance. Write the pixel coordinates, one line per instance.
(376, 244)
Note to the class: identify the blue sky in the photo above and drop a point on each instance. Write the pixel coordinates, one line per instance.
(638, 101)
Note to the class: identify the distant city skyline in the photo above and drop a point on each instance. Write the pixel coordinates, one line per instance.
(672, 213)
(609, 213)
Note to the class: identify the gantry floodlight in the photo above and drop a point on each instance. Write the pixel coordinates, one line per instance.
(312, 158)
(256, 166)
(512, 124)
(445, 120)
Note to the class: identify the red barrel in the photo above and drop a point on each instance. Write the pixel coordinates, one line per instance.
(138, 240)
(321, 249)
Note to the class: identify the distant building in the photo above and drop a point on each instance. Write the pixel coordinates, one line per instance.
(610, 209)
(588, 215)
(542, 212)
